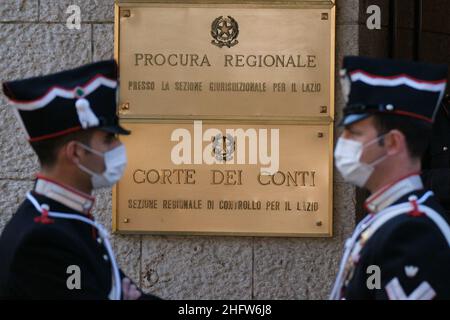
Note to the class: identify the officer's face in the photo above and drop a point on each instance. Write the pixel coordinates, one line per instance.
(101, 141)
(364, 131)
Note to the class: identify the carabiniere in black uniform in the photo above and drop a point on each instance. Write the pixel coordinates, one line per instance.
(406, 233)
(37, 249)
(53, 230)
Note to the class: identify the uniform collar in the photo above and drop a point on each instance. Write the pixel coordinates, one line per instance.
(66, 195)
(389, 194)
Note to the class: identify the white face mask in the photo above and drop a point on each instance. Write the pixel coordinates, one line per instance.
(347, 160)
(115, 162)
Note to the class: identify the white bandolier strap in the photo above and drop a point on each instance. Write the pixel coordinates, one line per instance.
(406, 207)
(116, 287)
(347, 250)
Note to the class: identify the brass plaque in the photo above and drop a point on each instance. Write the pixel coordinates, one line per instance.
(224, 61)
(159, 196)
(231, 107)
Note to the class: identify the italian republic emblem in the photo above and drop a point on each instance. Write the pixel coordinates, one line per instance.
(224, 31)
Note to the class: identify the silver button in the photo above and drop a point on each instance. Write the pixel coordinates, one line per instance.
(105, 257)
(389, 107)
(99, 240)
(445, 148)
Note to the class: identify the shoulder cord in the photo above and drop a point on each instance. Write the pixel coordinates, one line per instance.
(116, 290)
(374, 222)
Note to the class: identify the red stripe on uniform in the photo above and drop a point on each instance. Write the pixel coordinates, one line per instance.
(56, 134)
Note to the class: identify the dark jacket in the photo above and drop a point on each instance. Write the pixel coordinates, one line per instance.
(35, 256)
(436, 162)
(412, 254)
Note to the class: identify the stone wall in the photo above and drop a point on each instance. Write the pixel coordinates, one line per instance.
(34, 40)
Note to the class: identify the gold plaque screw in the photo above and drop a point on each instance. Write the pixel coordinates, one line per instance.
(319, 223)
(125, 13)
(320, 134)
(323, 109)
(124, 108)
(324, 16)
(126, 220)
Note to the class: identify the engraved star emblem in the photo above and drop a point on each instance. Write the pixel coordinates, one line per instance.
(226, 28)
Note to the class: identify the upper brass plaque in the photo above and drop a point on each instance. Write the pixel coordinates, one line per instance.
(226, 61)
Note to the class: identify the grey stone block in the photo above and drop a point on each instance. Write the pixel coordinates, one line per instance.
(12, 195)
(18, 161)
(91, 10)
(35, 49)
(197, 267)
(18, 10)
(103, 41)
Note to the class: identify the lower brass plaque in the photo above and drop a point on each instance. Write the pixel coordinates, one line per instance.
(218, 178)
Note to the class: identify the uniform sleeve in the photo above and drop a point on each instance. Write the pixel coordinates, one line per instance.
(41, 268)
(414, 260)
